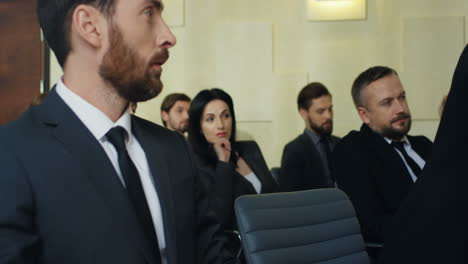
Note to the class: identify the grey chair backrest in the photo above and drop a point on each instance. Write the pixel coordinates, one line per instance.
(315, 226)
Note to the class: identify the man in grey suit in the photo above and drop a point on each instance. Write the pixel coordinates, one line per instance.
(82, 180)
(305, 161)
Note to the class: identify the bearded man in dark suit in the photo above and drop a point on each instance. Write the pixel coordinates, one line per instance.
(82, 180)
(306, 159)
(378, 165)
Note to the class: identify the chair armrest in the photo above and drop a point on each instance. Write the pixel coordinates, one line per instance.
(374, 245)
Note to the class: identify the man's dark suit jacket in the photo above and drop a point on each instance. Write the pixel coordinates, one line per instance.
(373, 175)
(225, 184)
(301, 166)
(61, 200)
(430, 226)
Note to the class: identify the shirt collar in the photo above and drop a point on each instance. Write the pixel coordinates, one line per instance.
(404, 140)
(314, 136)
(94, 119)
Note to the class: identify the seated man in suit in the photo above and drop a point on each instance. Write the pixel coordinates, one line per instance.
(175, 112)
(82, 180)
(305, 161)
(377, 165)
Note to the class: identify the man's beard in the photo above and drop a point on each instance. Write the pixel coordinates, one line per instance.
(181, 128)
(127, 72)
(322, 130)
(397, 134)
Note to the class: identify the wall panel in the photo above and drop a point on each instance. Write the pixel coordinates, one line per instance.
(431, 47)
(244, 63)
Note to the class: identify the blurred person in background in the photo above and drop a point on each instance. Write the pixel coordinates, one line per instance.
(174, 112)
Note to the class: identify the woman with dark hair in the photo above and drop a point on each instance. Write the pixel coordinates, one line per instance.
(229, 168)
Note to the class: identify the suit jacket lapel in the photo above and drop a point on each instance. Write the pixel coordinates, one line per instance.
(251, 157)
(420, 148)
(334, 140)
(389, 156)
(313, 153)
(154, 149)
(90, 158)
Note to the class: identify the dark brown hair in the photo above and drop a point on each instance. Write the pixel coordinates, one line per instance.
(170, 100)
(311, 91)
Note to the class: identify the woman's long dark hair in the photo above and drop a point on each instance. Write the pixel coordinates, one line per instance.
(195, 137)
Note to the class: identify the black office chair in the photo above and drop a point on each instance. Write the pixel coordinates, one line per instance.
(315, 226)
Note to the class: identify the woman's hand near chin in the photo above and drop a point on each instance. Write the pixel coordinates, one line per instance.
(222, 147)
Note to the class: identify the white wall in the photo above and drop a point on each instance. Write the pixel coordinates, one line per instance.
(264, 51)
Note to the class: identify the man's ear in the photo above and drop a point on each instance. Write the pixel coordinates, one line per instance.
(164, 116)
(363, 114)
(304, 114)
(89, 24)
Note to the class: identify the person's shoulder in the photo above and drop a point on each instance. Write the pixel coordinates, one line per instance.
(420, 143)
(249, 148)
(296, 142)
(420, 139)
(168, 139)
(23, 127)
(247, 144)
(353, 141)
(150, 126)
(335, 138)
(351, 137)
(23, 136)
(157, 130)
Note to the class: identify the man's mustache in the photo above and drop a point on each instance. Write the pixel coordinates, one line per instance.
(160, 57)
(328, 122)
(400, 117)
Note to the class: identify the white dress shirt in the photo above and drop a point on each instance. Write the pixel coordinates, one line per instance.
(415, 156)
(253, 179)
(99, 124)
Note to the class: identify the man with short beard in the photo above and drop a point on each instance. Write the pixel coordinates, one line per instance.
(175, 112)
(84, 181)
(377, 165)
(305, 160)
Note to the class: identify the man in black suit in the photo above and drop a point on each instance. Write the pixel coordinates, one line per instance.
(82, 180)
(305, 161)
(377, 165)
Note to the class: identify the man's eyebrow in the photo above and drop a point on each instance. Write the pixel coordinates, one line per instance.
(386, 99)
(157, 4)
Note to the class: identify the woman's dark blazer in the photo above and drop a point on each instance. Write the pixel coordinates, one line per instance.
(225, 184)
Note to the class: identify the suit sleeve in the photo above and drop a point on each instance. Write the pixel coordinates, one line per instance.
(291, 171)
(224, 188)
(18, 237)
(355, 176)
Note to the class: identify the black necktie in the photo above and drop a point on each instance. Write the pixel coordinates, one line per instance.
(326, 149)
(116, 136)
(414, 167)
